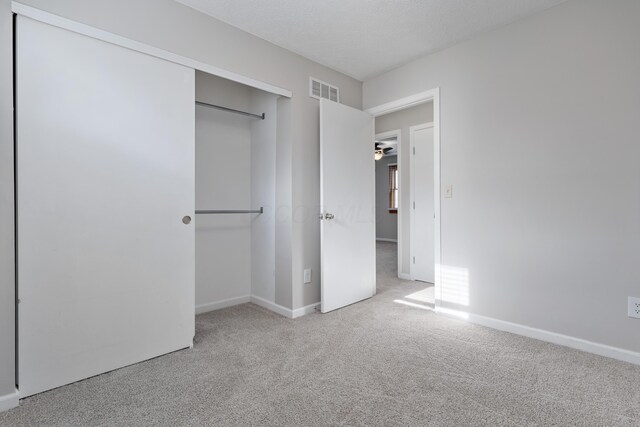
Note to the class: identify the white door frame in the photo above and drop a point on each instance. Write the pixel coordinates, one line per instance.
(398, 134)
(408, 102)
(412, 186)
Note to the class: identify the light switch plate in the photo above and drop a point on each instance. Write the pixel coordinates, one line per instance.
(448, 191)
(634, 307)
(307, 275)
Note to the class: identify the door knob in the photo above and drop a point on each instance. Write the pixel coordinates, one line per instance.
(328, 216)
(186, 219)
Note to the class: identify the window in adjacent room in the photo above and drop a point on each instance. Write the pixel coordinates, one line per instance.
(393, 188)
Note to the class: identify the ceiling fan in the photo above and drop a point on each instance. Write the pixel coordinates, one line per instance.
(380, 150)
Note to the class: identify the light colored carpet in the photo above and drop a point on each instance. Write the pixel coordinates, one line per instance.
(373, 363)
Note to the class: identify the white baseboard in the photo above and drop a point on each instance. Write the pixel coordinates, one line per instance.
(383, 239)
(286, 312)
(552, 337)
(9, 401)
(404, 276)
(217, 305)
(308, 309)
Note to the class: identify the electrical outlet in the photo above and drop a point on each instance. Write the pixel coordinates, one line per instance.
(307, 275)
(634, 307)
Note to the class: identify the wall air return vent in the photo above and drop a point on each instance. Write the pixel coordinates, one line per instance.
(319, 89)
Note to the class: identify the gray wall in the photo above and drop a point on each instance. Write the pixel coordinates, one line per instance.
(284, 195)
(403, 120)
(264, 150)
(174, 27)
(539, 125)
(7, 261)
(386, 222)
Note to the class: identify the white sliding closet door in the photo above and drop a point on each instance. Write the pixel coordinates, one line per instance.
(105, 175)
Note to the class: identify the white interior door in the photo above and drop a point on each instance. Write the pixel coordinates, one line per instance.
(105, 175)
(347, 197)
(422, 189)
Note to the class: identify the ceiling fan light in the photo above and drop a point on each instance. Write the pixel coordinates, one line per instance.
(378, 154)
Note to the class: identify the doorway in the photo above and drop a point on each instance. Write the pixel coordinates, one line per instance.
(414, 121)
(348, 152)
(387, 146)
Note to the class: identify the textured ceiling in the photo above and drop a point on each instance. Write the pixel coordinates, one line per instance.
(364, 38)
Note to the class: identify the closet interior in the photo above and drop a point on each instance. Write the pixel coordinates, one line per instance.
(236, 134)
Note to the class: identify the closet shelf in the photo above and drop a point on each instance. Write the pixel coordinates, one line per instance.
(231, 110)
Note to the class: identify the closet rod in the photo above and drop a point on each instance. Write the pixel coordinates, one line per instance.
(220, 107)
(230, 211)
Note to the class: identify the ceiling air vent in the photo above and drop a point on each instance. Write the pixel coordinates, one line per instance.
(319, 89)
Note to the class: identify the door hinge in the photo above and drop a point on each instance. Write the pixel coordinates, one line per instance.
(414, 260)
(414, 205)
(414, 151)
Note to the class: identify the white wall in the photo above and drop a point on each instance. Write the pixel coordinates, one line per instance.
(403, 120)
(7, 258)
(223, 181)
(539, 134)
(386, 222)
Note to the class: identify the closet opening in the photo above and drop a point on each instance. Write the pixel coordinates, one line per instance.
(238, 135)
